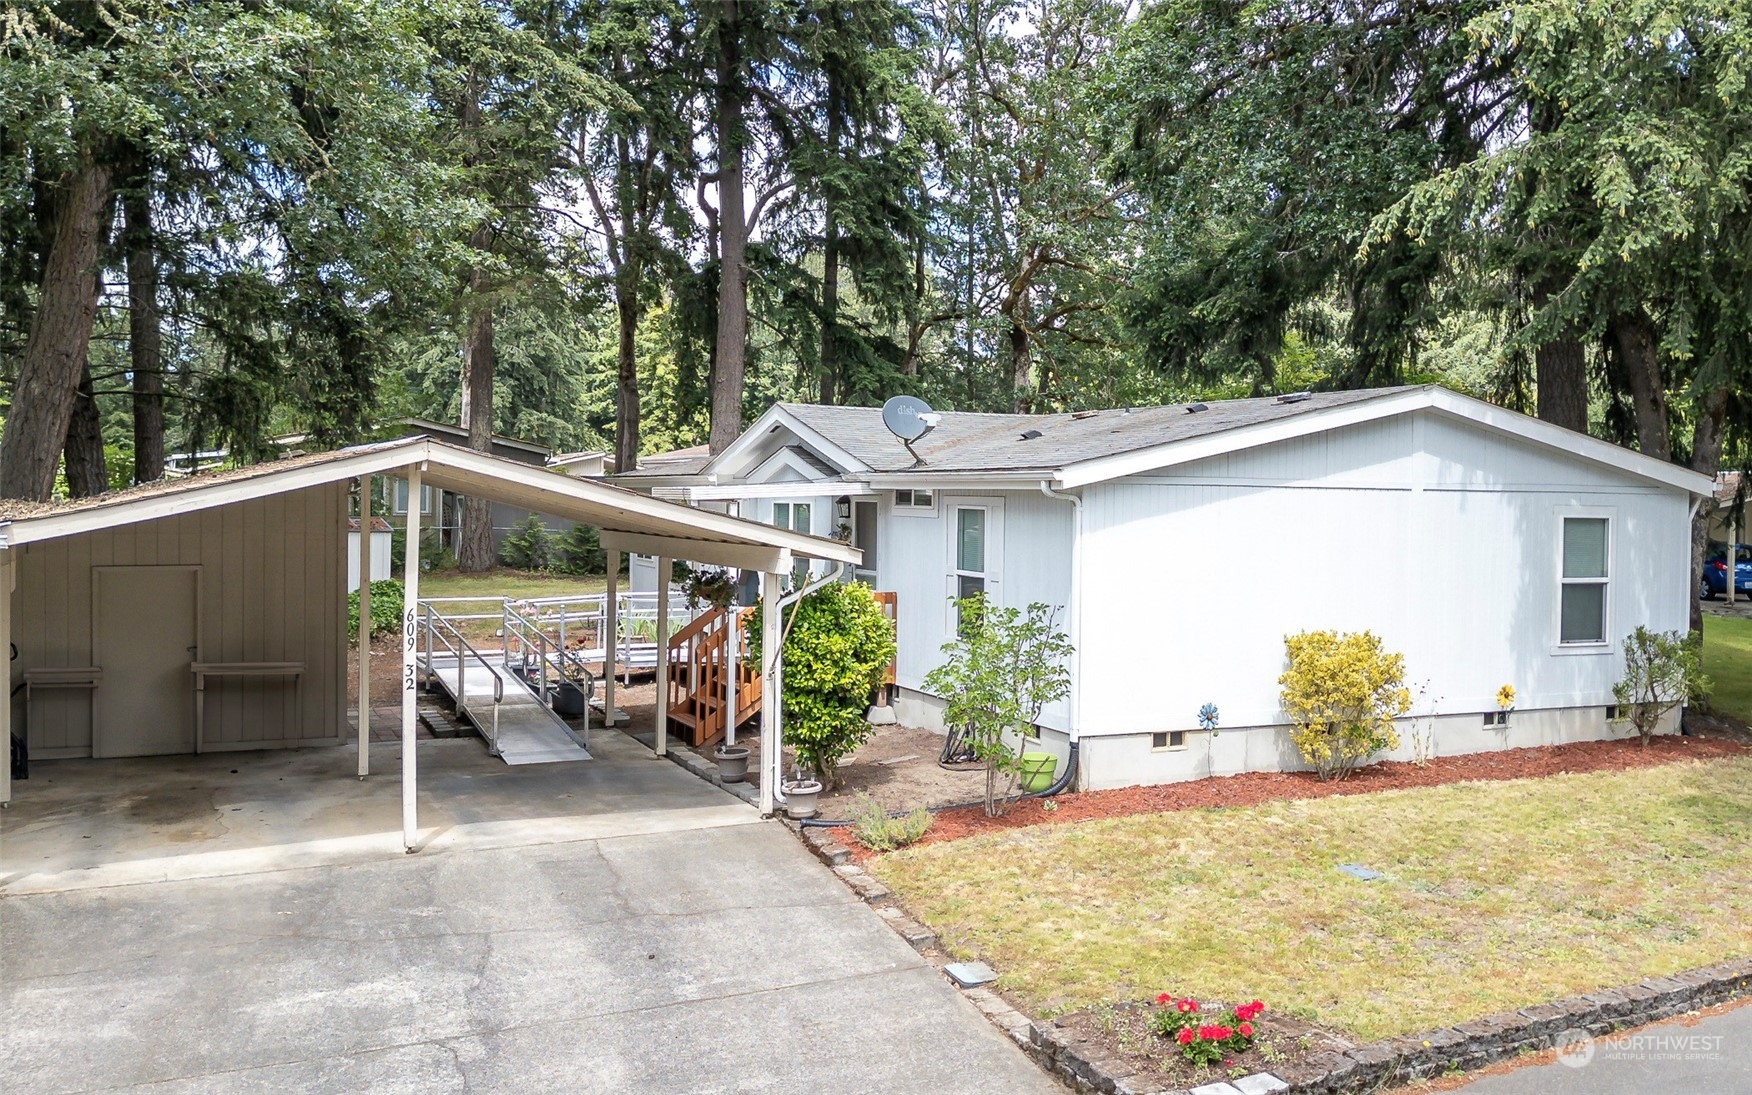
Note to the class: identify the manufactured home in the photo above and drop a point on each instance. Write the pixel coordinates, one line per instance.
(1180, 545)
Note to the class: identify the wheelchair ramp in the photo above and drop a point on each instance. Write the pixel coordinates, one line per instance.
(527, 731)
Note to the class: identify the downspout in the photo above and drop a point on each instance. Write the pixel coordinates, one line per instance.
(776, 763)
(1076, 622)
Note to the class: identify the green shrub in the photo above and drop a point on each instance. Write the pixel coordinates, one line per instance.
(386, 609)
(529, 546)
(579, 551)
(1001, 671)
(1662, 669)
(1342, 692)
(881, 833)
(433, 554)
(839, 645)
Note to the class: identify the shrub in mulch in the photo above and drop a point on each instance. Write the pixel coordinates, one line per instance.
(1130, 1033)
(1253, 788)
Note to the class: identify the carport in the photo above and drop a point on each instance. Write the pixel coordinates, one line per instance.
(207, 614)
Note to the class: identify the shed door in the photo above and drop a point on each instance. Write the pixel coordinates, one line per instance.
(143, 637)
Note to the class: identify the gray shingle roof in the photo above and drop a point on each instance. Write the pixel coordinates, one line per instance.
(964, 441)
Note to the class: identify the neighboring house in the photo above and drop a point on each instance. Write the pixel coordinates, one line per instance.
(382, 542)
(1731, 518)
(1182, 543)
(587, 465)
(442, 510)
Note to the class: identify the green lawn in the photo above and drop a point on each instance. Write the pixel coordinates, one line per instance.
(1495, 896)
(1727, 658)
(505, 582)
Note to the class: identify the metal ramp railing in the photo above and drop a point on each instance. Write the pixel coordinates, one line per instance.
(511, 703)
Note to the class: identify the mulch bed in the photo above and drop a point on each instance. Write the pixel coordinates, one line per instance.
(1121, 1032)
(1253, 788)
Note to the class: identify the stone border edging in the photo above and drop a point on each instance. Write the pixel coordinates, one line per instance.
(1466, 1046)
(707, 770)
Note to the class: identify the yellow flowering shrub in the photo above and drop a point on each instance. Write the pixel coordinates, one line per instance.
(1342, 692)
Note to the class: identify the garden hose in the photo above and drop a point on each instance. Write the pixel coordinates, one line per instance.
(1058, 787)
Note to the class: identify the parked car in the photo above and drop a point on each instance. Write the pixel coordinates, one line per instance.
(1714, 582)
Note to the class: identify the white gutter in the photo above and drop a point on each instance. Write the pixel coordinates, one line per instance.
(775, 764)
(1076, 607)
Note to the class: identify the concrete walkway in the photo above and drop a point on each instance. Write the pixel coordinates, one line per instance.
(542, 942)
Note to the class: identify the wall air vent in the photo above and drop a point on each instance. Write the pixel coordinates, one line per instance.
(1294, 397)
(1194, 408)
(1029, 435)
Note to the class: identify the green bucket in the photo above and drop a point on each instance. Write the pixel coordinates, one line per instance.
(1037, 770)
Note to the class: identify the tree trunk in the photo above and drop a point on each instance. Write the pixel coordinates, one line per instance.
(626, 411)
(1634, 335)
(83, 450)
(832, 387)
(474, 549)
(145, 336)
(1021, 358)
(732, 340)
(1706, 457)
(1560, 372)
(60, 333)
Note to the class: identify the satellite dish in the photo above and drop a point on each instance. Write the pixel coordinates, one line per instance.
(908, 417)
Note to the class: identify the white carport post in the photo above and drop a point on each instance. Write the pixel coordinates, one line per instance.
(364, 625)
(410, 670)
(660, 744)
(772, 761)
(610, 632)
(6, 578)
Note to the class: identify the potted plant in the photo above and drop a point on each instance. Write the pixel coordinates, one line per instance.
(732, 763)
(802, 798)
(713, 586)
(573, 691)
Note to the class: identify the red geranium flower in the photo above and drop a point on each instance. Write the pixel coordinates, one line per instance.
(1228, 1062)
(1185, 1036)
(1163, 998)
(1187, 1005)
(1246, 1029)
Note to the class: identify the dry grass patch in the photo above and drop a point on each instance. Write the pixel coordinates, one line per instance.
(1495, 896)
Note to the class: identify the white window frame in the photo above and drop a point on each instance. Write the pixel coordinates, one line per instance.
(909, 509)
(398, 499)
(791, 515)
(993, 546)
(1603, 645)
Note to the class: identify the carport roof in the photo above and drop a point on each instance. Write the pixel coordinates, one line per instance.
(630, 521)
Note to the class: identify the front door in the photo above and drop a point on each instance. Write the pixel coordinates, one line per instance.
(864, 517)
(143, 638)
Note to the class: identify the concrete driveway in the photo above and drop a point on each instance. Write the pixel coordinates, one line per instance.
(701, 950)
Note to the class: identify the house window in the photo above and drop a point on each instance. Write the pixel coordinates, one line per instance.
(1617, 712)
(970, 551)
(400, 503)
(1584, 578)
(1496, 718)
(969, 576)
(915, 503)
(791, 515)
(1168, 739)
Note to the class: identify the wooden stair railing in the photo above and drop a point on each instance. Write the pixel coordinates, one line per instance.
(697, 667)
(697, 683)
